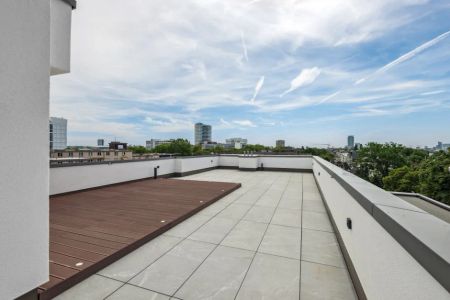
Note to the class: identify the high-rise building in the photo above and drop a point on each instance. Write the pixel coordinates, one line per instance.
(100, 142)
(202, 133)
(58, 133)
(280, 143)
(153, 143)
(442, 146)
(350, 142)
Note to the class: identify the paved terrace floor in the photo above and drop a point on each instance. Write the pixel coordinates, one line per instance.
(270, 239)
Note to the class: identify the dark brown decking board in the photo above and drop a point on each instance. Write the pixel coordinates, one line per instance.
(97, 227)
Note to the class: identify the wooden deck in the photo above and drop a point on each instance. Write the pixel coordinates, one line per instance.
(91, 229)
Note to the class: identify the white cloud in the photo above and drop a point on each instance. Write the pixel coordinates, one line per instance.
(406, 56)
(233, 124)
(433, 93)
(258, 87)
(306, 77)
(167, 63)
(244, 123)
(244, 47)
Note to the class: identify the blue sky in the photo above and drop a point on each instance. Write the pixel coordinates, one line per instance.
(310, 72)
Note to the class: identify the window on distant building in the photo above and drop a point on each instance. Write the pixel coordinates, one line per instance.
(99, 153)
(80, 154)
(107, 153)
(59, 154)
(70, 154)
(123, 153)
(116, 153)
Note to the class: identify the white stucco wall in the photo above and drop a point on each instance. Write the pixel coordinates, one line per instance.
(68, 179)
(24, 112)
(286, 162)
(229, 161)
(60, 29)
(194, 163)
(248, 162)
(386, 270)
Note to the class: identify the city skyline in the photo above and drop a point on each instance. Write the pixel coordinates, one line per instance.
(292, 72)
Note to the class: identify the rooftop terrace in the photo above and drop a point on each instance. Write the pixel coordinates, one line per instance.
(270, 239)
(93, 228)
(299, 227)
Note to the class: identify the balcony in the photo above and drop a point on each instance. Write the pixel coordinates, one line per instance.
(298, 227)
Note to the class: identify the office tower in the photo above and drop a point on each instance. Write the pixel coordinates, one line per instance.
(350, 142)
(202, 133)
(58, 133)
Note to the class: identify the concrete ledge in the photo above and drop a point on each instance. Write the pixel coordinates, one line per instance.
(425, 198)
(401, 223)
(347, 258)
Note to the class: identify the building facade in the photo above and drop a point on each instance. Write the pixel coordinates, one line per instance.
(88, 155)
(35, 39)
(58, 133)
(202, 133)
(236, 143)
(153, 143)
(280, 143)
(350, 142)
(442, 146)
(118, 146)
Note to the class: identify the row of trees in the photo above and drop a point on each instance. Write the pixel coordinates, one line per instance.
(182, 147)
(391, 166)
(397, 168)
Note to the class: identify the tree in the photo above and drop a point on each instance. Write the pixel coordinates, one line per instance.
(254, 148)
(375, 161)
(138, 149)
(323, 153)
(163, 148)
(398, 168)
(219, 149)
(434, 177)
(403, 179)
(181, 147)
(197, 150)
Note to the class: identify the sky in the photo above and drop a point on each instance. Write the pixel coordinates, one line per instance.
(308, 71)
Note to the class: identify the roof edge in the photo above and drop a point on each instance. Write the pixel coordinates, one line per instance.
(72, 3)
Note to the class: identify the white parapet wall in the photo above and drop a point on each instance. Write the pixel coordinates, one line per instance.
(384, 267)
(186, 165)
(296, 162)
(74, 178)
(65, 179)
(249, 162)
(230, 161)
